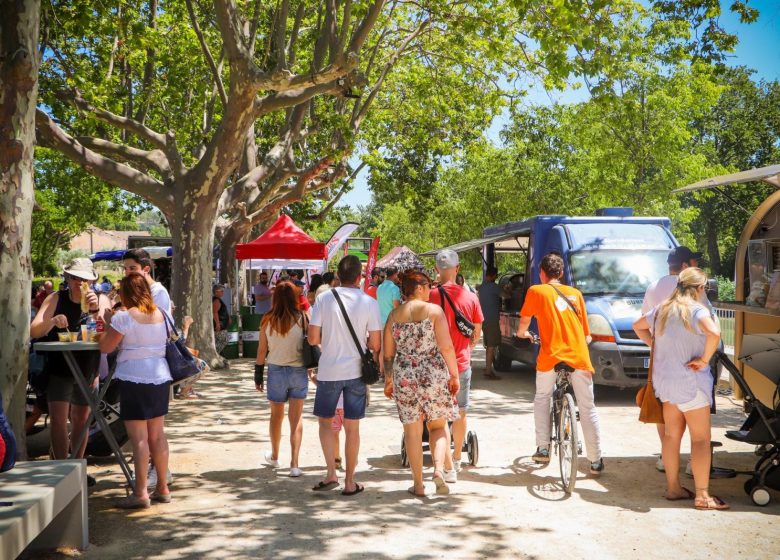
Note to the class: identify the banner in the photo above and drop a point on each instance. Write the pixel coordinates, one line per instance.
(371, 263)
(339, 238)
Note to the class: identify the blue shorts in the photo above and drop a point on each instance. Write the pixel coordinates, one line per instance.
(286, 382)
(464, 395)
(327, 397)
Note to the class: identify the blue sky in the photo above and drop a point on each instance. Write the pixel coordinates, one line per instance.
(757, 49)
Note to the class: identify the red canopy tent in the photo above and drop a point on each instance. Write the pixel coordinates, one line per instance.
(283, 245)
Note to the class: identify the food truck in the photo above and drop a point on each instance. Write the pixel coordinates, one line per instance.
(611, 258)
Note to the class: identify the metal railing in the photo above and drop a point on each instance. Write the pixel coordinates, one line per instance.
(727, 320)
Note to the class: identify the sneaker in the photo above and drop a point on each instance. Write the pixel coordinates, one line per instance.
(542, 455)
(268, 456)
(597, 467)
(450, 476)
(457, 466)
(151, 478)
(659, 465)
(295, 472)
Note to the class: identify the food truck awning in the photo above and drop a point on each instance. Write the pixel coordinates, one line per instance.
(769, 175)
(512, 242)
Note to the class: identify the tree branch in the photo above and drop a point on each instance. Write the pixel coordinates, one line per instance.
(207, 53)
(232, 37)
(333, 201)
(154, 159)
(365, 27)
(50, 135)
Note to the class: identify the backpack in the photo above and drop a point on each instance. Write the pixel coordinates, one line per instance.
(8, 445)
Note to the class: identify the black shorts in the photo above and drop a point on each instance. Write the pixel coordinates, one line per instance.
(143, 401)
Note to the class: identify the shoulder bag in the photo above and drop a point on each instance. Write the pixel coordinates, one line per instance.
(465, 327)
(567, 300)
(180, 361)
(651, 410)
(311, 353)
(369, 371)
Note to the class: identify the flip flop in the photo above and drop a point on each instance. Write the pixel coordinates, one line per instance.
(358, 489)
(687, 495)
(161, 498)
(441, 485)
(415, 494)
(718, 505)
(322, 485)
(133, 502)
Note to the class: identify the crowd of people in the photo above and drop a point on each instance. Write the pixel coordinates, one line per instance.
(421, 331)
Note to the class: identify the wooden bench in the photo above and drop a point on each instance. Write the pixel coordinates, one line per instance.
(43, 505)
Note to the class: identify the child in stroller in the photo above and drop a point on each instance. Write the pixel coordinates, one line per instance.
(470, 446)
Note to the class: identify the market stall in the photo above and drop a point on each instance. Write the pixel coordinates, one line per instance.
(757, 302)
(402, 258)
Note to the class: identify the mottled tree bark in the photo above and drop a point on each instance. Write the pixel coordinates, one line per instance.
(18, 97)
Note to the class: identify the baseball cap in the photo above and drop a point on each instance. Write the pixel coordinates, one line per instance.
(446, 259)
(299, 283)
(681, 254)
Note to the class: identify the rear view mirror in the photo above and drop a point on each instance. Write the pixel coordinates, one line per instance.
(712, 289)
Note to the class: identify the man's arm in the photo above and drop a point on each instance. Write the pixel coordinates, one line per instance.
(215, 313)
(314, 334)
(476, 334)
(522, 328)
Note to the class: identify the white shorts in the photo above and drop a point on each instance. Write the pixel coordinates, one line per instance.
(701, 400)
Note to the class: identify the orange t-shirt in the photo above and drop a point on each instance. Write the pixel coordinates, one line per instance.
(561, 330)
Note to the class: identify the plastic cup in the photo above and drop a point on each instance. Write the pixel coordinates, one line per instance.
(64, 336)
(74, 336)
(84, 333)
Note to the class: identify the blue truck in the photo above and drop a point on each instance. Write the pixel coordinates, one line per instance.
(611, 258)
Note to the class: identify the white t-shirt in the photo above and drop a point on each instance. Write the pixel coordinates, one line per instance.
(340, 359)
(161, 297)
(660, 290)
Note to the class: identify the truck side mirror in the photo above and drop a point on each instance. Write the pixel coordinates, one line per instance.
(712, 289)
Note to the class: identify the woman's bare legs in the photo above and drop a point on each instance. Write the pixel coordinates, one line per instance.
(158, 448)
(413, 442)
(294, 413)
(275, 428)
(698, 421)
(674, 423)
(437, 437)
(139, 439)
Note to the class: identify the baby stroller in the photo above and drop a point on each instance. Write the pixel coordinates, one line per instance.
(761, 428)
(470, 446)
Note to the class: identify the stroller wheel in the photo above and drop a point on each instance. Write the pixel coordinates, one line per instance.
(472, 448)
(404, 457)
(750, 483)
(760, 496)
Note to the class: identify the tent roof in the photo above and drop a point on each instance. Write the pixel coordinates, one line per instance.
(402, 257)
(769, 174)
(283, 240)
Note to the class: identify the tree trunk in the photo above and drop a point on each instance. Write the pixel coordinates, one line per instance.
(232, 236)
(19, 95)
(192, 274)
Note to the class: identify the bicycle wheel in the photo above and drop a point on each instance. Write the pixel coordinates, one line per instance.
(568, 443)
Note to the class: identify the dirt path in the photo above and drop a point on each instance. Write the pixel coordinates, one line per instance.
(228, 505)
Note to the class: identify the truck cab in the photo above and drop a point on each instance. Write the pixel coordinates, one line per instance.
(611, 258)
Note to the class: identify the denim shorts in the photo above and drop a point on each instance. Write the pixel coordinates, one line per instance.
(327, 398)
(464, 395)
(286, 382)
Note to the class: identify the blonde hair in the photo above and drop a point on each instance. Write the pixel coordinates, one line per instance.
(681, 301)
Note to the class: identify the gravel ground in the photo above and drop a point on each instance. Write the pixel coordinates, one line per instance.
(227, 504)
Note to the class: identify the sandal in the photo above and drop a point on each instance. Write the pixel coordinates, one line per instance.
(686, 495)
(712, 502)
(134, 502)
(358, 489)
(322, 485)
(415, 494)
(161, 498)
(441, 485)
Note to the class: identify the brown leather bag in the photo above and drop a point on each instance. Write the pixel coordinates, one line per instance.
(651, 410)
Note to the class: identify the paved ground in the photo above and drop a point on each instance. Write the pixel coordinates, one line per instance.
(228, 505)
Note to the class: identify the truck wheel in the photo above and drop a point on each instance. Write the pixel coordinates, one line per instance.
(502, 362)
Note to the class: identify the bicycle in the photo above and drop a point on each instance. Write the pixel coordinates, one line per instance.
(564, 417)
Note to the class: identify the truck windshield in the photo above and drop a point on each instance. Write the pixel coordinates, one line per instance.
(617, 272)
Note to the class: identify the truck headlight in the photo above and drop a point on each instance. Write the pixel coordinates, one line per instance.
(600, 330)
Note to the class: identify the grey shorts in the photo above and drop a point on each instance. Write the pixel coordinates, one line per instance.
(491, 334)
(64, 389)
(464, 395)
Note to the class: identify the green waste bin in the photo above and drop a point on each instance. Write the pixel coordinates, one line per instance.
(230, 351)
(247, 310)
(250, 334)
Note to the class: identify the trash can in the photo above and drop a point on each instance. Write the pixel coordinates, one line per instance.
(230, 351)
(247, 310)
(250, 334)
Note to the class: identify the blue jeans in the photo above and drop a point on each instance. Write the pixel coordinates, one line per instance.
(464, 394)
(286, 382)
(327, 397)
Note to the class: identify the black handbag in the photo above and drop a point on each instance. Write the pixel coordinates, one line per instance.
(180, 361)
(311, 353)
(465, 327)
(369, 371)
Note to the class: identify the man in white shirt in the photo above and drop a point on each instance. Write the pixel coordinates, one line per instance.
(340, 366)
(138, 260)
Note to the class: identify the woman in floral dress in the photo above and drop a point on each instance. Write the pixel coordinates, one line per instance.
(421, 374)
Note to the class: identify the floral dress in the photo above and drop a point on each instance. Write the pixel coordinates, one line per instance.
(420, 375)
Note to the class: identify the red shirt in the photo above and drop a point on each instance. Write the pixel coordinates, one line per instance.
(468, 304)
(371, 290)
(39, 298)
(304, 303)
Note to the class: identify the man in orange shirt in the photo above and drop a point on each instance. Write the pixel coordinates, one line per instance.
(564, 333)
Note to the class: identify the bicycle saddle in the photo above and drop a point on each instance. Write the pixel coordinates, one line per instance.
(563, 366)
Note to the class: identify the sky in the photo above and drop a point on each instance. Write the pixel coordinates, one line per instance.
(757, 49)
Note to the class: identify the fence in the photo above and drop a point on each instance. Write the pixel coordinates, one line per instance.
(727, 320)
